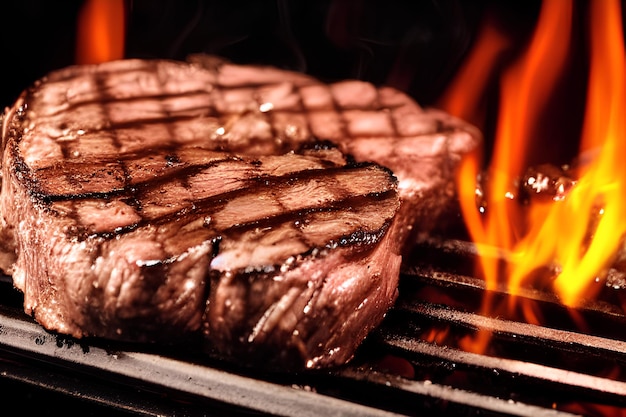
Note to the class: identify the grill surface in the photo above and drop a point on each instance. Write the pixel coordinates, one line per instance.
(528, 370)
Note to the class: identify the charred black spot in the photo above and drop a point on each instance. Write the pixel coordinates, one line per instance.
(171, 160)
(317, 144)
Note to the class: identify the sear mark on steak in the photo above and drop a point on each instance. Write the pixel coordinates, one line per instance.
(159, 201)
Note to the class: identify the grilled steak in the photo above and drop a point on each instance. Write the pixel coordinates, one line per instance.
(151, 201)
(282, 109)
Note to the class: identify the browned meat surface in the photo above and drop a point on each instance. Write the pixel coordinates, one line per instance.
(422, 147)
(152, 200)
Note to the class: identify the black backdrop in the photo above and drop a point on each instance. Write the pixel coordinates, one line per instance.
(413, 45)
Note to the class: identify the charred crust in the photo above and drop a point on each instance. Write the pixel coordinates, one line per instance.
(117, 232)
(352, 163)
(108, 195)
(317, 144)
(362, 237)
(300, 213)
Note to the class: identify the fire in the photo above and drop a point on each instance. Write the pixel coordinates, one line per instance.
(100, 31)
(578, 234)
(602, 185)
(472, 78)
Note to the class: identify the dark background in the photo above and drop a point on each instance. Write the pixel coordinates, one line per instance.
(413, 45)
(416, 46)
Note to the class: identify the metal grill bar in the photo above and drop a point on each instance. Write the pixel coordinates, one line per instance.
(435, 271)
(28, 338)
(360, 388)
(447, 393)
(513, 367)
(545, 335)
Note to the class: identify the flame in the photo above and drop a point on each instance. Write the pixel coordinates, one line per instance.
(602, 185)
(436, 335)
(100, 31)
(526, 86)
(578, 235)
(582, 233)
(472, 78)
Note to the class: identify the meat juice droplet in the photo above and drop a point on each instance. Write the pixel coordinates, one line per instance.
(265, 107)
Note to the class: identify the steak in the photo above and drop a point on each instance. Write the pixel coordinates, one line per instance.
(252, 207)
(281, 109)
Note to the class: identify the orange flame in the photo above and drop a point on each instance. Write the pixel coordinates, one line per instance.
(583, 233)
(579, 235)
(472, 78)
(602, 187)
(525, 88)
(101, 31)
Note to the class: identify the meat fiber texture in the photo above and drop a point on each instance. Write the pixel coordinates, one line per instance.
(422, 146)
(256, 208)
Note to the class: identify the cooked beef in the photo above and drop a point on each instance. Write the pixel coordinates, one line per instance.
(151, 201)
(281, 109)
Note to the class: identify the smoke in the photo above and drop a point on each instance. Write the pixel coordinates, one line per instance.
(414, 46)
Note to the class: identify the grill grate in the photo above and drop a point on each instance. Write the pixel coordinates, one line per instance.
(529, 370)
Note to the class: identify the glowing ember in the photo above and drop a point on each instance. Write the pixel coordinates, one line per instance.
(100, 35)
(577, 233)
